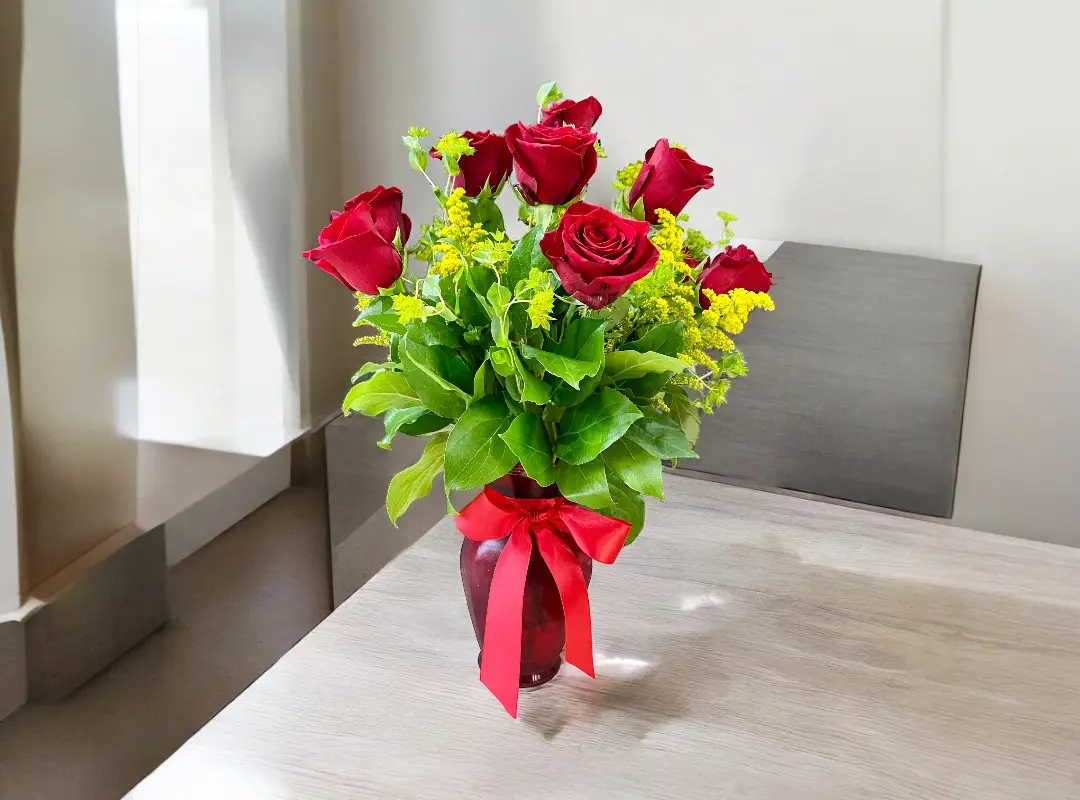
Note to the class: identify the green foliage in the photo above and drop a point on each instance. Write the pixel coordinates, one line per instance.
(579, 355)
(637, 468)
(526, 257)
(666, 339)
(626, 364)
(586, 483)
(370, 368)
(435, 331)
(436, 375)
(380, 314)
(528, 441)
(412, 421)
(627, 505)
(414, 482)
(548, 93)
(475, 454)
(661, 436)
(379, 394)
(586, 430)
(685, 414)
(418, 154)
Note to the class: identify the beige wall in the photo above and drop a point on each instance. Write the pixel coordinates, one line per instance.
(10, 73)
(918, 126)
(73, 270)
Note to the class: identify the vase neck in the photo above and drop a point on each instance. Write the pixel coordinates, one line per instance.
(516, 484)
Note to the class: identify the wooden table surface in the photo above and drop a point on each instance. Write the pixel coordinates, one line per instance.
(749, 645)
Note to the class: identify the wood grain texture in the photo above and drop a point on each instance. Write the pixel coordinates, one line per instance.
(748, 646)
(857, 381)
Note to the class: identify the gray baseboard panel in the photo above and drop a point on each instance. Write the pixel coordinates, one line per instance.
(358, 472)
(13, 689)
(117, 600)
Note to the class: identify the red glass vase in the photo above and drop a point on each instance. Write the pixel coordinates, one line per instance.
(543, 628)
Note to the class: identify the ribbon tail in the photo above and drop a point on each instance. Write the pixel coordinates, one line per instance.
(574, 594)
(500, 663)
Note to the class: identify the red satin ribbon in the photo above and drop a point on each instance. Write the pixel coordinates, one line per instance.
(493, 516)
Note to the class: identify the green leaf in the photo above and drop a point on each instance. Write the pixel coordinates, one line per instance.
(568, 396)
(480, 381)
(685, 414)
(646, 387)
(435, 330)
(666, 339)
(414, 482)
(429, 423)
(579, 355)
(459, 295)
(380, 313)
(588, 429)
(638, 211)
(585, 484)
(487, 212)
(661, 436)
(627, 505)
(395, 418)
(533, 389)
(411, 423)
(480, 280)
(370, 368)
(418, 160)
(499, 297)
(548, 93)
(636, 467)
(435, 375)
(526, 257)
(475, 455)
(384, 391)
(502, 360)
(627, 364)
(528, 440)
(734, 364)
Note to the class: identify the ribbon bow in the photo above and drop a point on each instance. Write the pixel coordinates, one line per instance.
(490, 516)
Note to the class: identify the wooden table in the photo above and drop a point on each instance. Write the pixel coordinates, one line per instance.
(749, 645)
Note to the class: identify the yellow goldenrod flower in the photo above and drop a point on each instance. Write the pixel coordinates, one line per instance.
(409, 308)
(540, 308)
(625, 177)
(381, 339)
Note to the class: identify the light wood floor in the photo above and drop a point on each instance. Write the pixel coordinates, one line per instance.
(236, 606)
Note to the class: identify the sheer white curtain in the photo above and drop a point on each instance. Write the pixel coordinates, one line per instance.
(204, 111)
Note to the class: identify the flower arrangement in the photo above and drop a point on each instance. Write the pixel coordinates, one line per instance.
(583, 353)
(586, 350)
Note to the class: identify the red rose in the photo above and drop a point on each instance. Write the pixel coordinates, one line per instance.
(668, 179)
(552, 165)
(357, 246)
(598, 254)
(490, 164)
(733, 268)
(579, 113)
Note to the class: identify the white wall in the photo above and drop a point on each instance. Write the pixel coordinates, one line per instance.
(919, 126)
(1012, 203)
